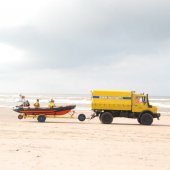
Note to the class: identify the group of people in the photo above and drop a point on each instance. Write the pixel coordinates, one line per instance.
(25, 103)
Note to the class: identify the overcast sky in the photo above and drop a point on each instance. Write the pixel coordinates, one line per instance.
(74, 46)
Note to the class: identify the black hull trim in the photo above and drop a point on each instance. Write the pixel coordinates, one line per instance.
(55, 109)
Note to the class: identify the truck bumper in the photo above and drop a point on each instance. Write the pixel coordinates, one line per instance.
(157, 115)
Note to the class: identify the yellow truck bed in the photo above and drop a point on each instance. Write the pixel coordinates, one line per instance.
(111, 100)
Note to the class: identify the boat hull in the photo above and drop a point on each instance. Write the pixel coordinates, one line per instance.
(62, 110)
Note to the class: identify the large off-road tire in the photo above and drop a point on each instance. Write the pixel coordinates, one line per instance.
(106, 118)
(146, 119)
(41, 118)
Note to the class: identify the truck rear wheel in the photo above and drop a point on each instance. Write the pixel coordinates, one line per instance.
(106, 118)
(41, 118)
(146, 119)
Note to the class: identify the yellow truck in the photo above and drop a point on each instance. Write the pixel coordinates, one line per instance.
(110, 104)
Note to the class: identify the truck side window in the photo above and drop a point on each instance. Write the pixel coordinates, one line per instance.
(139, 99)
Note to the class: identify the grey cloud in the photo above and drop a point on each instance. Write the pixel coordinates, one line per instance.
(93, 33)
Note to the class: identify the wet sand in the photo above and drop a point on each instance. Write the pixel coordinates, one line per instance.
(70, 144)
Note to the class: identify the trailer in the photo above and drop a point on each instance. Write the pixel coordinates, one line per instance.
(42, 113)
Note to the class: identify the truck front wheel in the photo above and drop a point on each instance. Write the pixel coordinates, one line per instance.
(146, 119)
(106, 118)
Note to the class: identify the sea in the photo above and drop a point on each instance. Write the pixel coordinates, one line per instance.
(82, 101)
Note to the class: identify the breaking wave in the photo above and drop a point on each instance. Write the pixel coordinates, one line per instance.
(82, 101)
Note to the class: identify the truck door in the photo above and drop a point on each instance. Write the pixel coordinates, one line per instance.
(138, 103)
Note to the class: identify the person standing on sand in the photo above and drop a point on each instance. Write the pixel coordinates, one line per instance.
(51, 103)
(37, 104)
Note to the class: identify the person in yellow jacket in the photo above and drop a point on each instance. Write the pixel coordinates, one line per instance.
(51, 104)
(37, 104)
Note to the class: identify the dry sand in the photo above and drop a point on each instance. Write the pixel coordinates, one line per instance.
(70, 144)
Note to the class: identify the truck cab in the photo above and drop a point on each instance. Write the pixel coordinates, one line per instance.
(110, 104)
(140, 103)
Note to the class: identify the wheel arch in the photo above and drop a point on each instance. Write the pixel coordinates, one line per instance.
(145, 111)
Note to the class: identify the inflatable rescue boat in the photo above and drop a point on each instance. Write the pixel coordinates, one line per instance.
(42, 113)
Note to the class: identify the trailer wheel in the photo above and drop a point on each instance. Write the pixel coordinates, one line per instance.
(41, 118)
(106, 118)
(20, 116)
(146, 119)
(81, 117)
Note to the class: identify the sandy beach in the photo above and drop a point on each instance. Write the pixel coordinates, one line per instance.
(70, 144)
